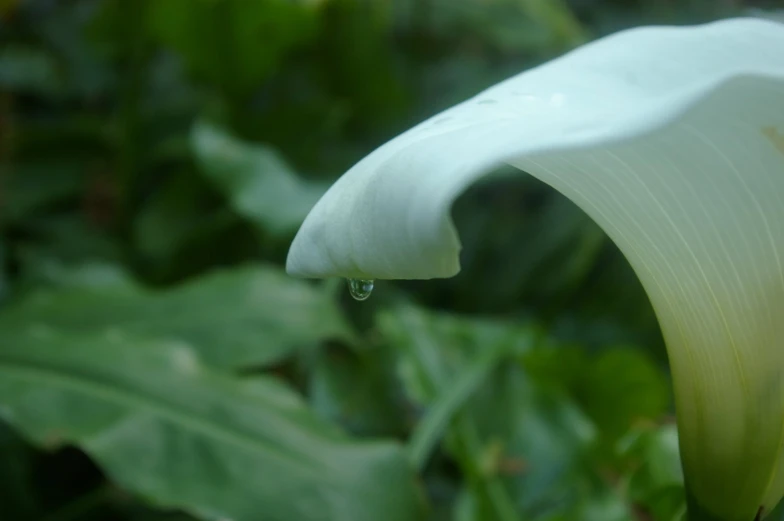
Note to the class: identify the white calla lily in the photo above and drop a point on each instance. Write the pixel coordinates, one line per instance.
(672, 139)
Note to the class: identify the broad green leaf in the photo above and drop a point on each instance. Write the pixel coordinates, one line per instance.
(44, 271)
(616, 387)
(655, 481)
(357, 389)
(259, 185)
(432, 427)
(621, 386)
(234, 44)
(438, 346)
(173, 432)
(538, 441)
(248, 316)
(152, 515)
(528, 441)
(601, 504)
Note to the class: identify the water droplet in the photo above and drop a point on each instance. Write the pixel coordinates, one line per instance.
(360, 289)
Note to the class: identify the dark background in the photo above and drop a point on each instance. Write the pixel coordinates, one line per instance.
(156, 363)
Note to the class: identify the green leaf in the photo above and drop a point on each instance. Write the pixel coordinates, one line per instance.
(603, 504)
(514, 437)
(357, 389)
(655, 481)
(616, 387)
(436, 347)
(51, 273)
(168, 429)
(432, 427)
(621, 386)
(258, 183)
(253, 315)
(233, 44)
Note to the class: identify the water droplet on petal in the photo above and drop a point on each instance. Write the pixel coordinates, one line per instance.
(360, 289)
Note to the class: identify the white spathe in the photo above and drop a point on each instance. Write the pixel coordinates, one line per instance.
(672, 139)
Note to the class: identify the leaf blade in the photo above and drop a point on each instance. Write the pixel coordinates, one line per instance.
(217, 446)
(252, 315)
(257, 181)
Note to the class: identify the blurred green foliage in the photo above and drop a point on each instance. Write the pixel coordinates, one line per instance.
(156, 363)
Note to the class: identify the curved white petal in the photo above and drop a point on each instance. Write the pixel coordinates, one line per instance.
(672, 139)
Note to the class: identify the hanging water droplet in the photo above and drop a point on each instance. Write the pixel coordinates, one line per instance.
(360, 289)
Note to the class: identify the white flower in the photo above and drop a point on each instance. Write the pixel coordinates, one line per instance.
(672, 139)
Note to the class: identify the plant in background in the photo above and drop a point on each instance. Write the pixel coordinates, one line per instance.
(672, 139)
